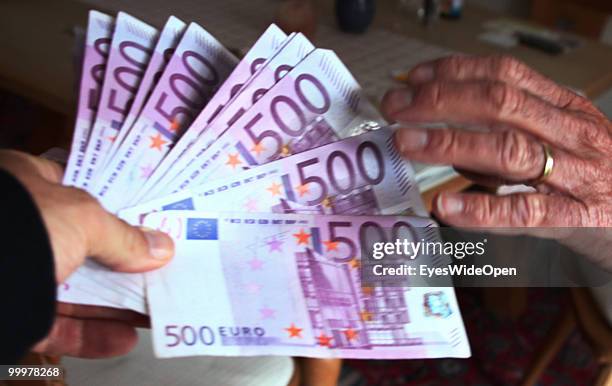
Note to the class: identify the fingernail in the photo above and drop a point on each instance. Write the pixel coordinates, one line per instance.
(450, 204)
(422, 74)
(396, 100)
(160, 244)
(411, 139)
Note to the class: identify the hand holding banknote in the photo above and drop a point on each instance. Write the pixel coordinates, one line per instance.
(77, 227)
(538, 133)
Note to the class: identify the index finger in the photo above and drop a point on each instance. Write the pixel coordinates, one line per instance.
(106, 313)
(20, 164)
(87, 338)
(501, 68)
(495, 106)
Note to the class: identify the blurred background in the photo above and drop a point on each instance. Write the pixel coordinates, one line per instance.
(519, 336)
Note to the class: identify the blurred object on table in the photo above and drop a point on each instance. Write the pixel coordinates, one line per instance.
(431, 11)
(410, 10)
(297, 16)
(355, 15)
(423, 11)
(451, 9)
(508, 33)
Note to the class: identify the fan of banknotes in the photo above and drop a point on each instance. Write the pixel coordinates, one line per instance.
(269, 172)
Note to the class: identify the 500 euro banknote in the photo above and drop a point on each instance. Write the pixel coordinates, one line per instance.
(197, 68)
(99, 30)
(164, 48)
(254, 60)
(316, 103)
(270, 284)
(359, 175)
(130, 50)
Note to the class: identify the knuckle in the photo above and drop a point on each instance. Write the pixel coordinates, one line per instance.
(515, 153)
(508, 67)
(93, 219)
(480, 211)
(505, 100)
(596, 216)
(442, 142)
(454, 64)
(388, 105)
(527, 210)
(63, 338)
(583, 138)
(592, 135)
(56, 170)
(86, 205)
(431, 95)
(587, 179)
(42, 346)
(81, 197)
(133, 241)
(578, 214)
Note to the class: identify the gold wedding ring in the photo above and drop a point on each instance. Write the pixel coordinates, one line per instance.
(549, 163)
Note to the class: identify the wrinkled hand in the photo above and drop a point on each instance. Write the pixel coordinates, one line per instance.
(515, 111)
(78, 227)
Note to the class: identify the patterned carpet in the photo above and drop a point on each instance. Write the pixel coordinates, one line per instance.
(501, 351)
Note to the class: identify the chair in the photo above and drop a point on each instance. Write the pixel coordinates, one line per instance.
(582, 311)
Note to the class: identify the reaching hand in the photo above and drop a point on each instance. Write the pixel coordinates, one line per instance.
(78, 227)
(528, 130)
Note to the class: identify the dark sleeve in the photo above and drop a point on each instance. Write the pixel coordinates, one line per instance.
(27, 275)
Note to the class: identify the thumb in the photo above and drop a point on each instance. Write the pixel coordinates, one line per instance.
(124, 248)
